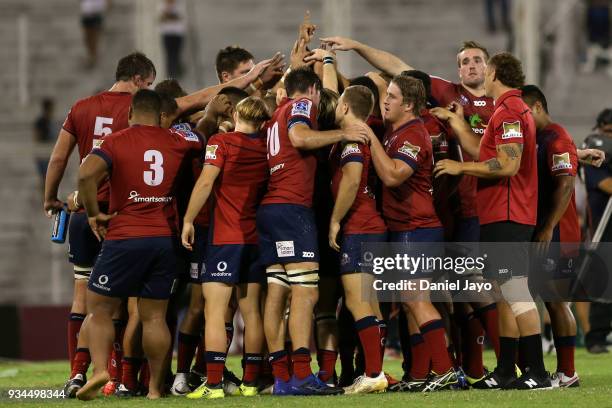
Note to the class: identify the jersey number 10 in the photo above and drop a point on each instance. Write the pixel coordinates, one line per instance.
(273, 142)
(155, 175)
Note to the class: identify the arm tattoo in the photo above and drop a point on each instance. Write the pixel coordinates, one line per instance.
(494, 165)
(511, 152)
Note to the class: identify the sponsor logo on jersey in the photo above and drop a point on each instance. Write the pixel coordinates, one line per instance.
(211, 152)
(475, 120)
(193, 270)
(409, 150)
(189, 136)
(277, 167)
(301, 108)
(561, 161)
(137, 198)
(480, 103)
(97, 143)
(511, 130)
(350, 148)
(182, 127)
(306, 254)
(285, 249)
(463, 100)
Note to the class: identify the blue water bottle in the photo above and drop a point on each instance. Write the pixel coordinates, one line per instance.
(60, 226)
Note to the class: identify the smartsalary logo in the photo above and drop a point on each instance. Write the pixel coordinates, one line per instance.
(137, 198)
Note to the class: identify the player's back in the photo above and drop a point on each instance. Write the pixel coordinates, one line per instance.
(239, 187)
(143, 164)
(97, 116)
(292, 171)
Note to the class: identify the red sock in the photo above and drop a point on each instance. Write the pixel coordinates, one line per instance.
(114, 361)
(145, 374)
(489, 319)
(370, 337)
(252, 367)
(421, 357)
(301, 363)
(187, 344)
(382, 327)
(327, 364)
(74, 326)
(80, 363)
(200, 362)
(280, 365)
(215, 362)
(473, 339)
(565, 347)
(433, 333)
(129, 372)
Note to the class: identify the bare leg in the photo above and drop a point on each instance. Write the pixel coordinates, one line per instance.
(155, 341)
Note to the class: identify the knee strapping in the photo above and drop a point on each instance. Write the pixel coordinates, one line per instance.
(277, 276)
(304, 277)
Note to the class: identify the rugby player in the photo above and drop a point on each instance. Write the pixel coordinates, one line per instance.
(557, 223)
(356, 221)
(507, 207)
(138, 255)
(287, 231)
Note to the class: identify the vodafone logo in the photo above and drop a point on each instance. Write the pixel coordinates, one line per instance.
(480, 103)
(103, 280)
(222, 266)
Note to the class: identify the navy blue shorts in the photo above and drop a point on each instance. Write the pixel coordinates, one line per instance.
(467, 230)
(287, 234)
(421, 237)
(140, 267)
(233, 263)
(351, 256)
(83, 246)
(197, 255)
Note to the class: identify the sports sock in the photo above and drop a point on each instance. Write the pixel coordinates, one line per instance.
(565, 346)
(421, 357)
(280, 365)
(252, 367)
(215, 362)
(488, 317)
(74, 326)
(187, 344)
(370, 337)
(434, 335)
(301, 363)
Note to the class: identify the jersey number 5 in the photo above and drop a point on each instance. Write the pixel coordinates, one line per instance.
(155, 176)
(100, 129)
(273, 142)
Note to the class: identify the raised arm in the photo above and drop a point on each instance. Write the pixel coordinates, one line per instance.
(469, 140)
(383, 60)
(304, 138)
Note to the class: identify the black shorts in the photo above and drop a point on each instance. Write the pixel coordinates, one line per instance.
(511, 261)
(83, 246)
(140, 267)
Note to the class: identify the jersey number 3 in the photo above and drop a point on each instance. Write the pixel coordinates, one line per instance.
(155, 175)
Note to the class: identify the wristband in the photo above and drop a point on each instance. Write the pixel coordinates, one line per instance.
(328, 60)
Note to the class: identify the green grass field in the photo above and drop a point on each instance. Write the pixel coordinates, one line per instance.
(595, 390)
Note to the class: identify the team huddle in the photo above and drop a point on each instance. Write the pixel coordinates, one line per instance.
(256, 196)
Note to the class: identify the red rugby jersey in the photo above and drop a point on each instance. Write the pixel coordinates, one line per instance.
(510, 198)
(362, 218)
(477, 111)
(557, 157)
(92, 118)
(239, 187)
(410, 205)
(143, 164)
(292, 171)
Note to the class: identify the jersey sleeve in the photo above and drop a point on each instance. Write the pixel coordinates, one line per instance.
(408, 149)
(216, 152)
(351, 152)
(509, 128)
(441, 89)
(302, 111)
(105, 150)
(562, 157)
(69, 125)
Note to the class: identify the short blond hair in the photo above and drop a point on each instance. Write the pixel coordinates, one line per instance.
(253, 110)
